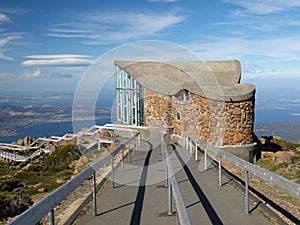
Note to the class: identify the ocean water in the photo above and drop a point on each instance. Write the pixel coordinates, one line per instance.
(277, 115)
(47, 129)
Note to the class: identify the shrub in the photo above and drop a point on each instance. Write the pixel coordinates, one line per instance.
(62, 156)
(9, 184)
(295, 158)
(267, 164)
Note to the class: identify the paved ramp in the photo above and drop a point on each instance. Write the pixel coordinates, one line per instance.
(139, 195)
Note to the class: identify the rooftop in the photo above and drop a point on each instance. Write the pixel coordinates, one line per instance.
(217, 80)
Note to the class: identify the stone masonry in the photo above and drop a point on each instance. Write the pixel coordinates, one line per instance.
(219, 123)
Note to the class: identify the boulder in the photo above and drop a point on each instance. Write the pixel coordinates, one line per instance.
(283, 157)
(278, 157)
(42, 190)
(37, 185)
(267, 155)
(60, 181)
(27, 141)
(82, 163)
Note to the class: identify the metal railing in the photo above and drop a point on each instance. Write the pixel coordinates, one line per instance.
(269, 176)
(173, 188)
(38, 211)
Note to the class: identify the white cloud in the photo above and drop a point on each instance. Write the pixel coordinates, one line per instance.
(57, 60)
(59, 56)
(115, 26)
(4, 18)
(29, 75)
(37, 74)
(281, 48)
(261, 7)
(3, 43)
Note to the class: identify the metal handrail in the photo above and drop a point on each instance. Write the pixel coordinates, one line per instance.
(183, 217)
(38, 211)
(269, 176)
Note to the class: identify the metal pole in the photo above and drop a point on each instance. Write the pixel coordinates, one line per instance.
(196, 152)
(247, 192)
(167, 174)
(122, 159)
(191, 150)
(205, 159)
(129, 146)
(163, 155)
(170, 213)
(94, 194)
(139, 140)
(186, 142)
(51, 217)
(220, 171)
(112, 172)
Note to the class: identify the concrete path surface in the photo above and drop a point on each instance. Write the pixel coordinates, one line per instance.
(139, 195)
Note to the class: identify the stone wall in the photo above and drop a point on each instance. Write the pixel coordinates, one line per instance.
(219, 123)
(157, 109)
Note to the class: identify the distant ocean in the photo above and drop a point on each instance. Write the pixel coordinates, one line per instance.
(277, 115)
(46, 129)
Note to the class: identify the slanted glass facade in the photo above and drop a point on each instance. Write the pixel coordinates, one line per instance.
(129, 99)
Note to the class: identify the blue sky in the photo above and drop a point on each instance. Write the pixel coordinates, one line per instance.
(47, 45)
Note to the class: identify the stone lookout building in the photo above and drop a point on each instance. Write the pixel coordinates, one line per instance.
(205, 99)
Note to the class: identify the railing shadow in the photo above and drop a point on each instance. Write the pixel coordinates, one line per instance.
(138, 206)
(213, 216)
(111, 210)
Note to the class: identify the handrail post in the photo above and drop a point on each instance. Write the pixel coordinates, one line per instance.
(167, 174)
(139, 140)
(191, 144)
(196, 151)
(220, 171)
(170, 212)
(94, 194)
(112, 172)
(205, 158)
(247, 191)
(129, 146)
(51, 217)
(123, 159)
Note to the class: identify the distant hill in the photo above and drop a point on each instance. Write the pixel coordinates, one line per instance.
(289, 131)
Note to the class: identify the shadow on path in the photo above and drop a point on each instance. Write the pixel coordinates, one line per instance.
(214, 218)
(138, 206)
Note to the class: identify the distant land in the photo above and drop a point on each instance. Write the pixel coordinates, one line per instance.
(15, 118)
(289, 131)
(51, 114)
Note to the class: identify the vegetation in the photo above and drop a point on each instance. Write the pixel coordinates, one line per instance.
(267, 164)
(286, 145)
(291, 170)
(20, 182)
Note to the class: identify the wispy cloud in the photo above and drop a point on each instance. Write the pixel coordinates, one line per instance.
(37, 74)
(115, 27)
(71, 60)
(261, 7)
(3, 43)
(280, 48)
(4, 76)
(4, 18)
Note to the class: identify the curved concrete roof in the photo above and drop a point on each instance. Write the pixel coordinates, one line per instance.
(217, 80)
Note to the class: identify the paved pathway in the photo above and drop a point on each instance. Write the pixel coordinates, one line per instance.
(139, 195)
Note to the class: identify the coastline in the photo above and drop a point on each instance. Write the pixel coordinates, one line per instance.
(46, 129)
